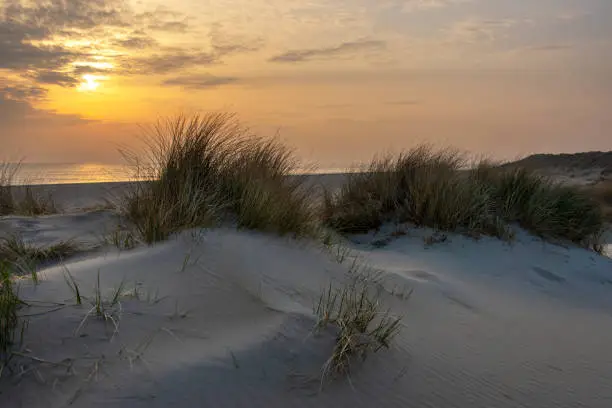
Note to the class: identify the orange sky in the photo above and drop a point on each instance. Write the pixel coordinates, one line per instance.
(339, 80)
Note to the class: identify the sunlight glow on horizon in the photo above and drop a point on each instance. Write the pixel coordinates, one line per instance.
(483, 75)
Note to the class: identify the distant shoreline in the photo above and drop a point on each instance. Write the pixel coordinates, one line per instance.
(35, 174)
(71, 197)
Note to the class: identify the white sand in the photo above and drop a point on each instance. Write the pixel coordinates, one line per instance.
(224, 319)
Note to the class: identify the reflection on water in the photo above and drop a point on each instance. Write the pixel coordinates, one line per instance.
(31, 173)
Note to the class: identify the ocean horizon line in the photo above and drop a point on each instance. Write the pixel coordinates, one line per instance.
(85, 173)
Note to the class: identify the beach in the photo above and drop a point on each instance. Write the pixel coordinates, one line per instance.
(222, 317)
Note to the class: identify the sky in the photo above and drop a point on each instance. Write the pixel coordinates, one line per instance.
(338, 80)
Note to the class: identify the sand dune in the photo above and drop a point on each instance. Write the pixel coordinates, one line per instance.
(224, 318)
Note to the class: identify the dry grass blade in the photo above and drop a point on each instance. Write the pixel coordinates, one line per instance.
(362, 327)
(108, 310)
(74, 286)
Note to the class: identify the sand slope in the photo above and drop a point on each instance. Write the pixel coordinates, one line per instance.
(223, 319)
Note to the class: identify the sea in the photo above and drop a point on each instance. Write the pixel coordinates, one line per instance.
(75, 173)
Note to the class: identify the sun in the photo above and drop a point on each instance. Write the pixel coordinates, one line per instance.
(90, 83)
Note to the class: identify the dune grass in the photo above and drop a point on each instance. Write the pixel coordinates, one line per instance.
(9, 303)
(438, 189)
(363, 328)
(33, 204)
(21, 200)
(544, 207)
(7, 175)
(601, 192)
(25, 257)
(108, 310)
(205, 169)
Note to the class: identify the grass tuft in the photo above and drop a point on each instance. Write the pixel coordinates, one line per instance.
(27, 202)
(105, 309)
(204, 168)
(34, 205)
(25, 256)
(9, 303)
(363, 328)
(601, 192)
(544, 207)
(122, 239)
(436, 188)
(8, 171)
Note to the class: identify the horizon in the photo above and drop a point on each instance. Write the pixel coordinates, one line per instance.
(340, 82)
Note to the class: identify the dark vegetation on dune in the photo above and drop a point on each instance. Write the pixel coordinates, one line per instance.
(206, 169)
(573, 161)
(437, 189)
(9, 304)
(601, 192)
(21, 200)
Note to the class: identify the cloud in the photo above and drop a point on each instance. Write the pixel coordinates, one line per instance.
(173, 26)
(171, 59)
(406, 102)
(199, 81)
(21, 92)
(53, 78)
(17, 110)
(53, 15)
(549, 47)
(136, 40)
(410, 6)
(44, 41)
(28, 31)
(476, 30)
(163, 19)
(224, 44)
(346, 48)
(17, 51)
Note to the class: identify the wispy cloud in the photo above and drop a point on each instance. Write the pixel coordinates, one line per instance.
(549, 47)
(479, 30)
(136, 40)
(344, 49)
(416, 5)
(20, 92)
(169, 60)
(199, 81)
(53, 78)
(404, 102)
